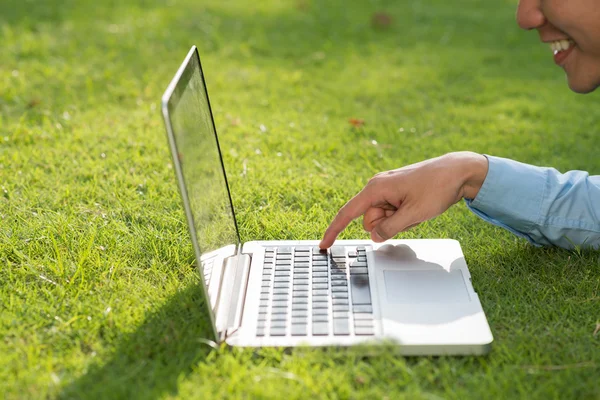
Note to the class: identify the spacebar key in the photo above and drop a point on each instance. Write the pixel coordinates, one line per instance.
(360, 288)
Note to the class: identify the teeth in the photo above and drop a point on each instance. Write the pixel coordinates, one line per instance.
(560, 45)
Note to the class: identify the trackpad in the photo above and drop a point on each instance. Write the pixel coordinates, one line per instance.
(425, 286)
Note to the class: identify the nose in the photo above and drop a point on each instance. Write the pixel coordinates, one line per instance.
(530, 15)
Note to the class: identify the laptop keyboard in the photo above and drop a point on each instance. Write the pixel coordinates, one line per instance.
(207, 268)
(308, 291)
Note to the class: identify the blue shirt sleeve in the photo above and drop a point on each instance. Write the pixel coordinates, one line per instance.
(540, 204)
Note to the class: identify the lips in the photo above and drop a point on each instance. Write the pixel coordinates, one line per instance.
(561, 49)
(561, 56)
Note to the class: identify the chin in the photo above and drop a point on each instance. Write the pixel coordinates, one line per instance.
(582, 86)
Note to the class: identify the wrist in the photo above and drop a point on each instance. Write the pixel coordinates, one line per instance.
(474, 168)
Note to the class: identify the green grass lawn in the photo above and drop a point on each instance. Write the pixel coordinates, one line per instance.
(99, 296)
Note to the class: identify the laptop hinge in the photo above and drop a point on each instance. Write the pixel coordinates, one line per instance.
(232, 295)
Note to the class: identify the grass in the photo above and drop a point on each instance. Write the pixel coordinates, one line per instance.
(99, 296)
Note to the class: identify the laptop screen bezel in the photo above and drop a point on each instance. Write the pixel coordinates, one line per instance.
(168, 103)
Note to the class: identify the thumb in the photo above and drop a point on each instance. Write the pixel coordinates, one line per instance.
(389, 227)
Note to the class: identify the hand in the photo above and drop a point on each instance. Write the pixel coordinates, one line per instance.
(397, 200)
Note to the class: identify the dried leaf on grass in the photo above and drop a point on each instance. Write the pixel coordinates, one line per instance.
(356, 122)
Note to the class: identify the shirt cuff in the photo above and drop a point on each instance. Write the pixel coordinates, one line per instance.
(511, 196)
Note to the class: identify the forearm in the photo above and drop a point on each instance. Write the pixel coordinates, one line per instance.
(540, 204)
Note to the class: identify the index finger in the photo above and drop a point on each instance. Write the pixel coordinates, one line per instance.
(353, 209)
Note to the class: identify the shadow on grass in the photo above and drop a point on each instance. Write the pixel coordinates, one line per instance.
(151, 360)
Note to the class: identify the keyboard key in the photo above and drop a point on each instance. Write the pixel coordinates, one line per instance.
(361, 270)
(278, 324)
(337, 277)
(260, 331)
(298, 300)
(299, 306)
(362, 316)
(320, 318)
(279, 307)
(283, 268)
(339, 283)
(277, 331)
(283, 296)
(280, 291)
(281, 285)
(320, 274)
(262, 317)
(352, 253)
(283, 257)
(264, 296)
(320, 311)
(320, 329)
(361, 259)
(340, 307)
(319, 263)
(340, 301)
(363, 322)
(300, 287)
(301, 264)
(339, 288)
(282, 279)
(364, 331)
(358, 264)
(299, 273)
(317, 279)
(284, 250)
(278, 303)
(362, 308)
(338, 251)
(299, 320)
(361, 249)
(324, 305)
(341, 314)
(299, 329)
(339, 295)
(264, 303)
(320, 292)
(300, 293)
(320, 286)
(264, 290)
(278, 317)
(302, 249)
(299, 313)
(318, 250)
(341, 326)
(283, 273)
(361, 292)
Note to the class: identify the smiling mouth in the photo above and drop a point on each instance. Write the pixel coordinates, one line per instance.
(560, 45)
(561, 50)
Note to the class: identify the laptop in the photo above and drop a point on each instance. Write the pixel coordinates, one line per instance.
(416, 294)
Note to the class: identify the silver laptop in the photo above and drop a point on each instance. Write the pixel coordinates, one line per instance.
(414, 293)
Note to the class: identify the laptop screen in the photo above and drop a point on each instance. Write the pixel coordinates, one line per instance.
(200, 160)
